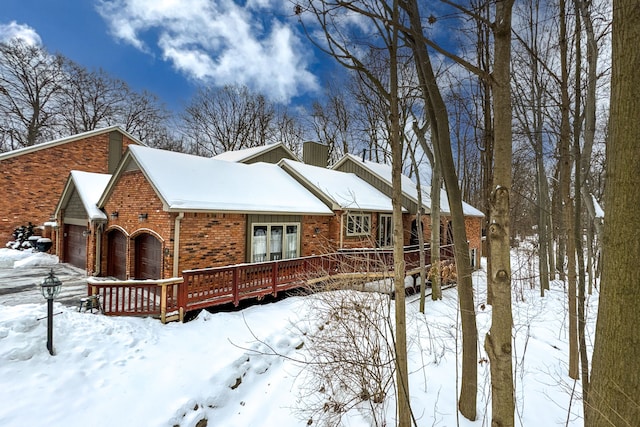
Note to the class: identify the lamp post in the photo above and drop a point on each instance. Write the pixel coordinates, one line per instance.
(50, 288)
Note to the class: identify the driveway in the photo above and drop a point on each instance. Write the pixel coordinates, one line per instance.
(22, 285)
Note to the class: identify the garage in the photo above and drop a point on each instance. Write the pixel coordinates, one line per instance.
(148, 257)
(75, 245)
(117, 255)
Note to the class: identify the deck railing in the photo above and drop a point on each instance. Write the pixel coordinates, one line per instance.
(196, 289)
(138, 297)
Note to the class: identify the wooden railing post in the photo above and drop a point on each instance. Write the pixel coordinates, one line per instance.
(274, 280)
(163, 304)
(236, 293)
(182, 295)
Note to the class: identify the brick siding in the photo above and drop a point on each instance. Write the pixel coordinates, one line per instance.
(31, 183)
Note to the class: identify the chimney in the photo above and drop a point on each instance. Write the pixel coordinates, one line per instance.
(315, 154)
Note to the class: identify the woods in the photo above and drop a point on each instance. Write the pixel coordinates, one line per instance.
(527, 110)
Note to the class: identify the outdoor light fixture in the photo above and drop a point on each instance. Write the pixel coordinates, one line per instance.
(50, 288)
(86, 233)
(114, 214)
(142, 216)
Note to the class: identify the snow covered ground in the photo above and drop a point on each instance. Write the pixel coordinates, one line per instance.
(122, 371)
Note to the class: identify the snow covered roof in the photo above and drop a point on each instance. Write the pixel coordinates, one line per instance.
(343, 190)
(186, 182)
(409, 188)
(67, 139)
(89, 187)
(250, 153)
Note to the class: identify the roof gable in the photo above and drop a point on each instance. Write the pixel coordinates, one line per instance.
(409, 188)
(66, 140)
(342, 190)
(257, 154)
(186, 182)
(89, 187)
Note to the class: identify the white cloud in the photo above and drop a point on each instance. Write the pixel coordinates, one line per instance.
(13, 30)
(218, 42)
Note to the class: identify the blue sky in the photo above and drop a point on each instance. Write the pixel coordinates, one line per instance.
(170, 46)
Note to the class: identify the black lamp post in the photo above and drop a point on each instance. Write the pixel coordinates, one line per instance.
(50, 288)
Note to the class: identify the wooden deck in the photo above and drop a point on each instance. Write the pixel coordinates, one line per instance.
(170, 299)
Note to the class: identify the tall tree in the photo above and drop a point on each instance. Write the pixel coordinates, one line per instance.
(30, 80)
(615, 380)
(498, 341)
(565, 189)
(229, 118)
(439, 124)
(90, 99)
(384, 19)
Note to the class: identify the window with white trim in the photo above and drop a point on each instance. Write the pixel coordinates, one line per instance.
(358, 224)
(385, 230)
(271, 242)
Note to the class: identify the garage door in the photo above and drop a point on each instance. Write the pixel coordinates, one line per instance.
(75, 245)
(117, 255)
(148, 257)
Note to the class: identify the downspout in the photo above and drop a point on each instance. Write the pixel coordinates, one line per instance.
(342, 229)
(176, 244)
(98, 230)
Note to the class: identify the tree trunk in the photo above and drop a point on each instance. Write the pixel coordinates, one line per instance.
(439, 121)
(498, 341)
(565, 189)
(420, 229)
(615, 378)
(436, 189)
(402, 371)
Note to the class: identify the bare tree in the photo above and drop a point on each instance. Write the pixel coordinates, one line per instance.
(229, 118)
(439, 123)
(327, 15)
(498, 341)
(90, 99)
(94, 99)
(30, 80)
(333, 122)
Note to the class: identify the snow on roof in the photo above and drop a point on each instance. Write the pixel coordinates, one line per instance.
(467, 209)
(247, 153)
(409, 188)
(345, 189)
(187, 182)
(90, 187)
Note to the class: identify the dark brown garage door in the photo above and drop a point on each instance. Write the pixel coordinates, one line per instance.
(117, 255)
(75, 245)
(148, 257)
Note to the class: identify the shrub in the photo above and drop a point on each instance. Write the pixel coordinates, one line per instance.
(21, 237)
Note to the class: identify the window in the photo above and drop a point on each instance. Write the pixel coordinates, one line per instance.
(271, 242)
(358, 224)
(385, 231)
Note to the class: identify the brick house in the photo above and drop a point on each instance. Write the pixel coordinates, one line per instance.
(362, 214)
(168, 212)
(32, 178)
(379, 176)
